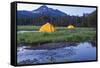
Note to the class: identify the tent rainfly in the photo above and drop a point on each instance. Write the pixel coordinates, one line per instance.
(47, 28)
(70, 27)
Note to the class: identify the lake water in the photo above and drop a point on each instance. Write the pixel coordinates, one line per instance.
(84, 51)
(25, 31)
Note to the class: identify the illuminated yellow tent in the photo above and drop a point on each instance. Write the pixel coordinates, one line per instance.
(71, 27)
(47, 28)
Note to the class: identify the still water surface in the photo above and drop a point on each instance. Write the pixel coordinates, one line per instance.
(84, 51)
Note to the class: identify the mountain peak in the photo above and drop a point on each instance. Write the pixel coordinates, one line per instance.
(43, 7)
(48, 11)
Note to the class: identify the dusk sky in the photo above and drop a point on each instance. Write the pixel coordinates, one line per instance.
(70, 10)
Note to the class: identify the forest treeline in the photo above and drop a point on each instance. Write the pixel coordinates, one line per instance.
(28, 18)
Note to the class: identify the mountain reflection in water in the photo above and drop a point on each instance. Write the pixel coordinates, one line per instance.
(82, 52)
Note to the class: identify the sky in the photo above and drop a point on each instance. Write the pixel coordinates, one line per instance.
(70, 10)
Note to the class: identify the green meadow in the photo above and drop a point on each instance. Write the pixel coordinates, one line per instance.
(62, 34)
(28, 27)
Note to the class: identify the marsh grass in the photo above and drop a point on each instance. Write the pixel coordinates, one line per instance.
(62, 34)
(27, 27)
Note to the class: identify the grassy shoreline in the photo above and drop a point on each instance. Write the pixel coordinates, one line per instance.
(31, 27)
(62, 34)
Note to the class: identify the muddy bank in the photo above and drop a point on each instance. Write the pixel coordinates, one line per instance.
(49, 46)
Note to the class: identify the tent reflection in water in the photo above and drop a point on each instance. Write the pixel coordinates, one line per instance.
(47, 28)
